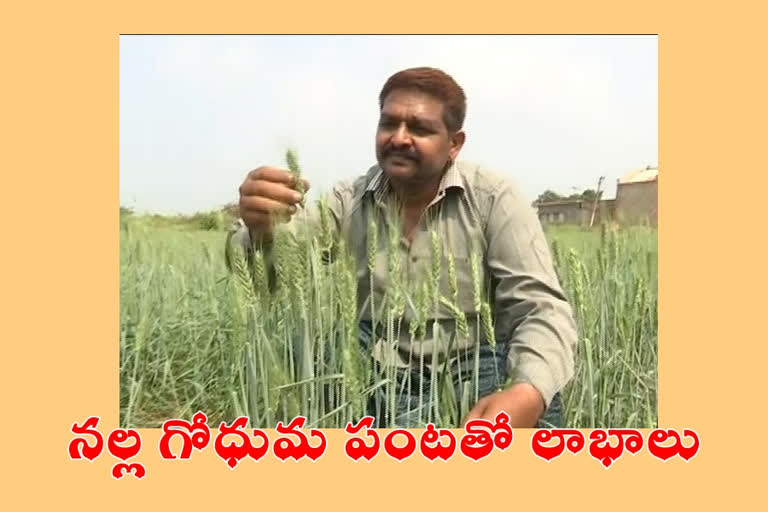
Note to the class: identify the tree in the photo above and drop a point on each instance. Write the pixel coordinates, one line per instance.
(549, 196)
(589, 195)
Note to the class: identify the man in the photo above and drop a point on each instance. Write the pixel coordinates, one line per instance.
(418, 140)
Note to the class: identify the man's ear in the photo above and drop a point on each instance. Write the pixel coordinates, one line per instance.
(457, 142)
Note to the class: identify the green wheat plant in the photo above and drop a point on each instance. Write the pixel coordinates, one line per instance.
(274, 332)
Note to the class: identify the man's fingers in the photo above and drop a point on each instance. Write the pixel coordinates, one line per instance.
(270, 175)
(264, 205)
(269, 196)
(476, 412)
(273, 174)
(264, 221)
(270, 190)
(255, 219)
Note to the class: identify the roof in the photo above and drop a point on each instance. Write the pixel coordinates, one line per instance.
(640, 176)
(566, 202)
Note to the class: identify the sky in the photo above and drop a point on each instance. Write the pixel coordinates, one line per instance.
(551, 112)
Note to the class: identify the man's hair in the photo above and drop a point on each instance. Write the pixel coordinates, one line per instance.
(437, 84)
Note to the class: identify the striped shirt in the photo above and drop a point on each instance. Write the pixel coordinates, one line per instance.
(476, 215)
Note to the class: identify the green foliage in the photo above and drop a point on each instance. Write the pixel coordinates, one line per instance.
(549, 196)
(214, 220)
(588, 195)
(610, 277)
(195, 337)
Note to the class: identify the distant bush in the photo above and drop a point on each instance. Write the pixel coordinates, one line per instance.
(209, 221)
(215, 220)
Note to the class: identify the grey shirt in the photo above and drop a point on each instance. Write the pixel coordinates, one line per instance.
(475, 211)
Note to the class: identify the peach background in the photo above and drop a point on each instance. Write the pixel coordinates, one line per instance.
(60, 272)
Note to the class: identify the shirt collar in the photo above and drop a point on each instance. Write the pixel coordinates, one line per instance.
(379, 183)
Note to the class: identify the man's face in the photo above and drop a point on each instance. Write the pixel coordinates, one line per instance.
(413, 144)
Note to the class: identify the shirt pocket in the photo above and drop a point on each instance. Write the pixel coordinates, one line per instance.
(464, 284)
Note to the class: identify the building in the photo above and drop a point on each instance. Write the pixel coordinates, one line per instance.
(637, 197)
(574, 212)
(636, 203)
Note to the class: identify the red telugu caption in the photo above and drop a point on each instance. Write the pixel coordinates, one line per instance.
(600, 448)
(481, 437)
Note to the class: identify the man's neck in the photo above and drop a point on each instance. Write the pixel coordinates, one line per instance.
(414, 197)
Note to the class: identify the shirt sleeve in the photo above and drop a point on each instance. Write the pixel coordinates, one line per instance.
(532, 312)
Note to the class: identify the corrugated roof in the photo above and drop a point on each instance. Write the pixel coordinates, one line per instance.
(641, 175)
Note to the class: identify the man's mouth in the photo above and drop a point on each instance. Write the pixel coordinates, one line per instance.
(399, 159)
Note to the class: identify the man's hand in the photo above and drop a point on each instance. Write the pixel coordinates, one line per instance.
(266, 196)
(522, 402)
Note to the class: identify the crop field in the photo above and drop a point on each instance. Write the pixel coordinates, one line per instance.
(195, 336)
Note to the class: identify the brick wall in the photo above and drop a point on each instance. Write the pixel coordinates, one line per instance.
(637, 203)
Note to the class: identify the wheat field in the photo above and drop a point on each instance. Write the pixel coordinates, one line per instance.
(194, 336)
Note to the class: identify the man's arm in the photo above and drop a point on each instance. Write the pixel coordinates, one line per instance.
(532, 311)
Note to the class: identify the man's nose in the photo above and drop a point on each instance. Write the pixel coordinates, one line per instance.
(401, 137)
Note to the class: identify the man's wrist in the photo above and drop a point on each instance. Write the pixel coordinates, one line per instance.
(260, 237)
(527, 397)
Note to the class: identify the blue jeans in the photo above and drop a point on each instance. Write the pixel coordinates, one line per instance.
(413, 401)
